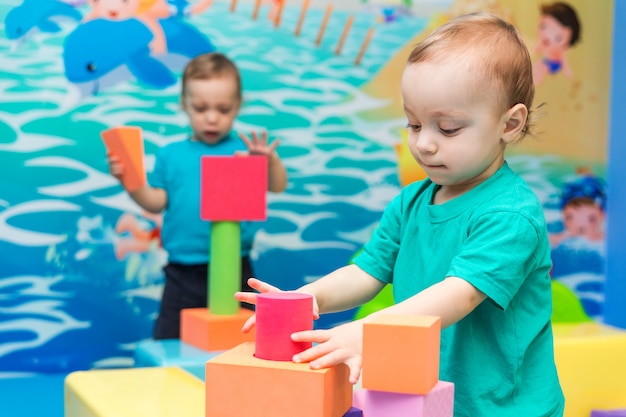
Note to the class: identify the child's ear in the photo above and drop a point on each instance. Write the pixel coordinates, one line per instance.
(514, 122)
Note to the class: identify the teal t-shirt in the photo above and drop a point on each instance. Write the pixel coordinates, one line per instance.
(186, 237)
(500, 357)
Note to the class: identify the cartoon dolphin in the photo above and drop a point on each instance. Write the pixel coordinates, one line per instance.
(101, 46)
(38, 14)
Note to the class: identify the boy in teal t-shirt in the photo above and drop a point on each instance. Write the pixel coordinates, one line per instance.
(468, 244)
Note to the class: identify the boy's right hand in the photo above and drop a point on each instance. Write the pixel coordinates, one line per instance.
(250, 298)
(116, 167)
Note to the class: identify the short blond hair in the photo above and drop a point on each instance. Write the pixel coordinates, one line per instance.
(491, 46)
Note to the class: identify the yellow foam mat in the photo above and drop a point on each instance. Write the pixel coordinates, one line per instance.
(134, 392)
(591, 361)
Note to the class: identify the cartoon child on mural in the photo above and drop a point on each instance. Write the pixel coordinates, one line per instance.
(583, 204)
(558, 31)
(147, 11)
(137, 234)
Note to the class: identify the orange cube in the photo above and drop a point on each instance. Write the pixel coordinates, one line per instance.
(273, 388)
(401, 353)
(210, 332)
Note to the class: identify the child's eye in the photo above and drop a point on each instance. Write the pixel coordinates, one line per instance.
(449, 132)
(414, 127)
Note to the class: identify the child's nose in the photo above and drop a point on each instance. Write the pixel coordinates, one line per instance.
(211, 116)
(424, 143)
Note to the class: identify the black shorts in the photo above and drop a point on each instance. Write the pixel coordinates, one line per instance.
(186, 287)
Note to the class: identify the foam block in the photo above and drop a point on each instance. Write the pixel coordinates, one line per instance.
(126, 143)
(354, 412)
(211, 332)
(608, 413)
(278, 315)
(439, 402)
(170, 352)
(273, 388)
(401, 354)
(590, 361)
(133, 392)
(233, 188)
(224, 268)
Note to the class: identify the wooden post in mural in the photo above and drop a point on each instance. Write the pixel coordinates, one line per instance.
(364, 45)
(344, 35)
(305, 8)
(320, 34)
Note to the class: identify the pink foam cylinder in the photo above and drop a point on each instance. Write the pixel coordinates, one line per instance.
(278, 315)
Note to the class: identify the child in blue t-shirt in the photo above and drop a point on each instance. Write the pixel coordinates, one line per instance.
(211, 97)
(469, 243)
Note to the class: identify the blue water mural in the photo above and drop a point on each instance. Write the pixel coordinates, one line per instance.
(69, 299)
(66, 301)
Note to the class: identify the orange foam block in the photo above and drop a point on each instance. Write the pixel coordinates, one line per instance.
(126, 142)
(233, 188)
(273, 388)
(401, 353)
(210, 332)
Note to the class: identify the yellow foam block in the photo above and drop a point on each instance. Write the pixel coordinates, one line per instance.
(273, 388)
(401, 353)
(591, 362)
(211, 332)
(134, 392)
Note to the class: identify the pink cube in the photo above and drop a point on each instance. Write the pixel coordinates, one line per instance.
(233, 188)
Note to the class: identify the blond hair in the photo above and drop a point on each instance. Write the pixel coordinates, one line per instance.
(490, 46)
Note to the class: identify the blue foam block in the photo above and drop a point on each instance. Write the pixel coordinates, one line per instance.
(27, 396)
(170, 352)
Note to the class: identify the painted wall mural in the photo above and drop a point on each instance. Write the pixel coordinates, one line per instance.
(81, 264)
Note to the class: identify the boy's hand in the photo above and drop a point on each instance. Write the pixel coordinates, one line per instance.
(250, 298)
(259, 146)
(342, 344)
(116, 167)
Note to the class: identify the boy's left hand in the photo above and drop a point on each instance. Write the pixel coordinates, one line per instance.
(259, 146)
(341, 344)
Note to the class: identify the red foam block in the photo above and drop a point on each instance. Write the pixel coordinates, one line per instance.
(233, 188)
(278, 315)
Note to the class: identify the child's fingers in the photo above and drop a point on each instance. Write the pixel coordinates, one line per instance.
(272, 146)
(249, 324)
(264, 137)
(245, 297)
(355, 370)
(262, 286)
(319, 349)
(246, 140)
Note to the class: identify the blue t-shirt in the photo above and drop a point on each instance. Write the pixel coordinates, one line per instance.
(186, 237)
(501, 356)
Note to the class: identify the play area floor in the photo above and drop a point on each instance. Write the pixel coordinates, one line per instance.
(32, 396)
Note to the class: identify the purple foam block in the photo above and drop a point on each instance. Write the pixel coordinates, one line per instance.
(354, 412)
(608, 413)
